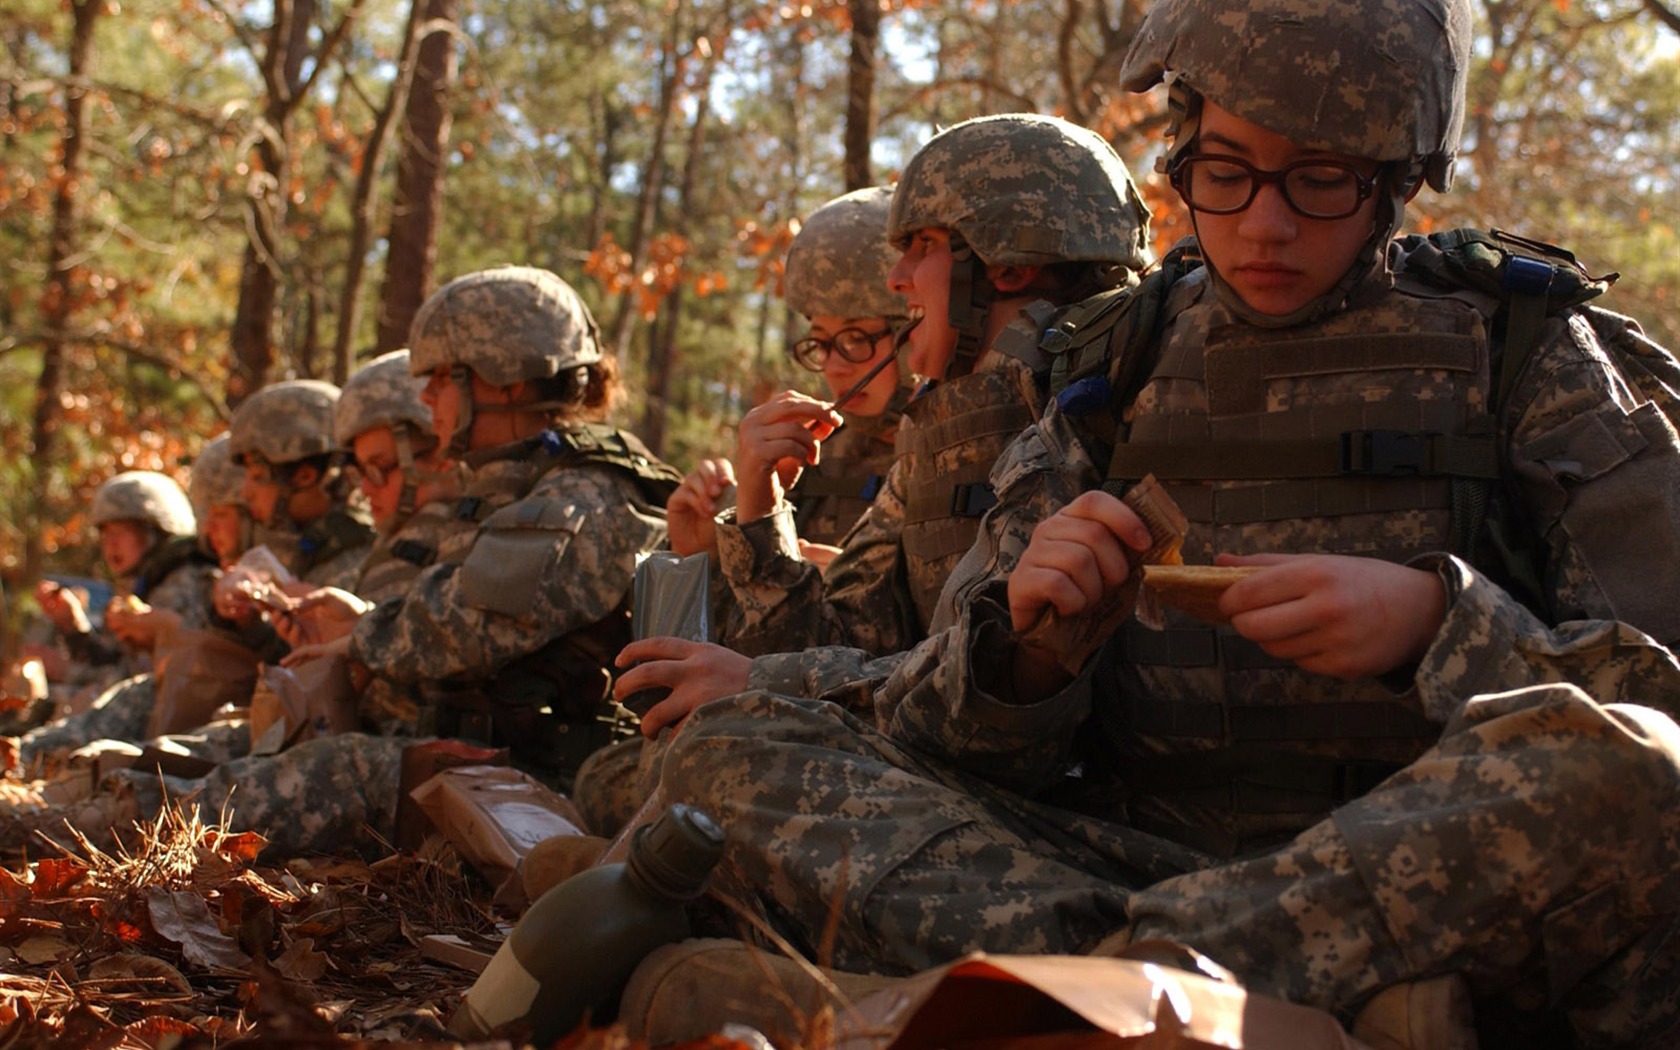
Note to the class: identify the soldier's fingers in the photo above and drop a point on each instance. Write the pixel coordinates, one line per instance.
(1114, 516)
(663, 648)
(667, 712)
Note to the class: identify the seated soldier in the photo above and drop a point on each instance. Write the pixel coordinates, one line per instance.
(1388, 768)
(836, 278)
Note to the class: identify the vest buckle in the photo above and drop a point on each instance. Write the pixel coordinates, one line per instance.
(1384, 453)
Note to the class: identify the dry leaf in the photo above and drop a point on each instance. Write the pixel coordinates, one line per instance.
(183, 917)
(146, 972)
(55, 875)
(43, 948)
(301, 962)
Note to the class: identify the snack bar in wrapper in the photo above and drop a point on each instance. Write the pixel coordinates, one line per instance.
(670, 598)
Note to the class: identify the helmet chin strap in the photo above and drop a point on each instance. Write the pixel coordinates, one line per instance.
(968, 307)
(459, 441)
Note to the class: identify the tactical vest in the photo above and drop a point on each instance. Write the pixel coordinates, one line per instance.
(581, 443)
(1344, 436)
(396, 560)
(830, 497)
(948, 441)
(339, 530)
(164, 558)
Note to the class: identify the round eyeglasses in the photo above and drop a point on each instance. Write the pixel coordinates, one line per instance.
(852, 344)
(1317, 189)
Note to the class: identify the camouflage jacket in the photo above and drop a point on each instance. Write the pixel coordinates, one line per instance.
(876, 596)
(555, 558)
(174, 577)
(1278, 746)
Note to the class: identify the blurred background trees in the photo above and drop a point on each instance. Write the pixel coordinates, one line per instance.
(201, 196)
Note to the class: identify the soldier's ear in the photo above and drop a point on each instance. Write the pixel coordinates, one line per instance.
(305, 475)
(1011, 279)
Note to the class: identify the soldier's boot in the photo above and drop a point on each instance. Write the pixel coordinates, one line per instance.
(554, 860)
(690, 989)
(1431, 1014)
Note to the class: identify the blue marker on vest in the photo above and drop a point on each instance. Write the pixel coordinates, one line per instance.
(1084, 397)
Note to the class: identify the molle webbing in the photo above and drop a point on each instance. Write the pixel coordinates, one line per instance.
(943, 503)
(813, 484)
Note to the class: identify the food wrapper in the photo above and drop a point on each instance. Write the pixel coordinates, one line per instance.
(1063, 1002)
(1074, 641)
(1194, 589)
(294, 704)
(493, 815)
(671, 598)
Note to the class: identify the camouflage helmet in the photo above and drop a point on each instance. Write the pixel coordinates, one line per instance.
(216, 478)
(1024, 190)
(382, 393)
(286, 422)
(1381, 79)
(838, 264)
(508, 324)
(145, 495)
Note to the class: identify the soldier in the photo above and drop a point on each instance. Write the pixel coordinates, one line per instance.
(283, 436)
(217, 491)
(148, 535)
(512, 635)
(1061, 220)
(836, 278)
(1386, 774)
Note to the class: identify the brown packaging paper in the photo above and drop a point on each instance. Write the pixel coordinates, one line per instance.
(197, 673)
(494, 814)
(294, 704)
(1062, 1002)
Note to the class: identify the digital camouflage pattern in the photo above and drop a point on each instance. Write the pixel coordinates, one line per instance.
(285, 422)
(382, 393)
(506, 324)
(216, 479)
(874, 596)
(838, 264)
(335, 794)
(554, 562)
(1404, 879)
(328, 551)
(118, 713)
(145, 496)
(831, 496)
(1318, 73)
(1024, 190)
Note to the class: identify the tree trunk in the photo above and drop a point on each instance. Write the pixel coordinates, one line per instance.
(653, 176)
(59, 298)
(663, 349)
(411, 257)
(364, 208)
(860, 91)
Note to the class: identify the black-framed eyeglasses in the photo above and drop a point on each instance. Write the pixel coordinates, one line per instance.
(1317, 189)
(852, 344)
(375, 474)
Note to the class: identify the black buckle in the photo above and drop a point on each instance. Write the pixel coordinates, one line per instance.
(972, 500)
(414, 552)
(466, 508)
(1385, 453)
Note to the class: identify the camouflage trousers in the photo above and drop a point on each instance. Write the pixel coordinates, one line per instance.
(613, 782)
(1535, 850)
(335, 794)
(120, 713)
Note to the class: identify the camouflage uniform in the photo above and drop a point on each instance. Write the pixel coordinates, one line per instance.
(1055, 193)
(173, 576)
(1502, 811)
(534, 610)
(837, 267)
(284, 424)
(218, 481)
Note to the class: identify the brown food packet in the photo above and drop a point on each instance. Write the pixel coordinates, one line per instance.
(1074, 641)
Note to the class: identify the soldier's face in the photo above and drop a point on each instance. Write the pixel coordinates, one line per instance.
(261, 492)
(840, 374)
(443, 397)
(123, 545)
(923, 276)
(223, 529)
(1275, 258)
(381, 473)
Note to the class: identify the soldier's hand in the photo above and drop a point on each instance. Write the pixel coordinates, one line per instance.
(140, 625)
(694, 672)
(691, 511)
(818, 554)
(1076, 563)
(323, 615)
(61, 606)
(305, 653)
(1334, 614)
(774, 442)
